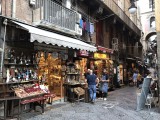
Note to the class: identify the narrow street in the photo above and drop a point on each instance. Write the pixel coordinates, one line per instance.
(120, 105)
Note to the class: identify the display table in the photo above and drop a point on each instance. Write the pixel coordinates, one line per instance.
(33, 100)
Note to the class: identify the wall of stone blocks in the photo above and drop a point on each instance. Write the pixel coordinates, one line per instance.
(157, 14)
(23, 11)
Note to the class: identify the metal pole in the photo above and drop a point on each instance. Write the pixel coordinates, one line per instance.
(4, 38)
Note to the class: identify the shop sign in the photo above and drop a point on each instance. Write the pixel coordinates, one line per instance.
(105, 50)
(100, 56)
(83, 53)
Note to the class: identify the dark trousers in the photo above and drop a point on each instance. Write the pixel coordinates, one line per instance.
(102, 95)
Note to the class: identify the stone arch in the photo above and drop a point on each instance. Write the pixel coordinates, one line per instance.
(149, 35)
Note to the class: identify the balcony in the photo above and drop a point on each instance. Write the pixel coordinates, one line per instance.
(52, 15)
(121, 14)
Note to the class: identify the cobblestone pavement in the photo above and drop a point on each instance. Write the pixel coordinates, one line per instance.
(120, 105)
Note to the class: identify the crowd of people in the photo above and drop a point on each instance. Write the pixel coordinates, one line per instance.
(101, 84)
(136, 79)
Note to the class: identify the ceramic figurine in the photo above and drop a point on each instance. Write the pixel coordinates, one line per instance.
(24, 59)
(28, 60)
(27, 74)
(8, 76)
(12, 58)
(9, 54)
(21, 58)
(37, 58)
(19, 76)
(35, 75)
(17, 60)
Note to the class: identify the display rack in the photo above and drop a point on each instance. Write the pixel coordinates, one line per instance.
(73, 86)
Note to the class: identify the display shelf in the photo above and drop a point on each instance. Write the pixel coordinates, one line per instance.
(70, 64)
(8, 91)
(73, 74)
(13, 64)
(19, 82)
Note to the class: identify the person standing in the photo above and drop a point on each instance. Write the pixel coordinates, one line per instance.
(139, 79)
(92, 81)
(104, 85)
(135, 75)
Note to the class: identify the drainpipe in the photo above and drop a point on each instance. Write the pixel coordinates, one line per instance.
(0, 7)
(13, 12)
(4, 40)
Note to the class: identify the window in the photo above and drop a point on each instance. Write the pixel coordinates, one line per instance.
(152, 4)
(152, 22)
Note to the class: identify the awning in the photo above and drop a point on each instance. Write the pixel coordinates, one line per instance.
(55, 39)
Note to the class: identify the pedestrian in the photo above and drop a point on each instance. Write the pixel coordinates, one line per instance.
(139, 79)
(92, 81)
(135, 74)
(104, 85)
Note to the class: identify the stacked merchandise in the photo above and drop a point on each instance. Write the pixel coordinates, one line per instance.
(28, 90)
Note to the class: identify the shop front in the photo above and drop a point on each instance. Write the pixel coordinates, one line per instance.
(75, 85)
(131, 67)
(102, 60)
(32, 58)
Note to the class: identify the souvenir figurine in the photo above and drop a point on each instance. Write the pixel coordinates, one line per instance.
(24, 59)
(12, 58)
(30, 73)
(19, 76)
(9, 54)
(8, 75)
(43, 78)
(28, 60)
(33, 58)
(35, 75)
(21, 59)
(17, 60)
(27, 74)
(37, 58)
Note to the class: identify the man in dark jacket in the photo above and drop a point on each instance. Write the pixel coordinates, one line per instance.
(92, 81)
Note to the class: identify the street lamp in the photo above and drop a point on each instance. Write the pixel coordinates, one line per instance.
(132, 9)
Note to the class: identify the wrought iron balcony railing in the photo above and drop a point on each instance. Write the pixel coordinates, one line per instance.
(55, 15)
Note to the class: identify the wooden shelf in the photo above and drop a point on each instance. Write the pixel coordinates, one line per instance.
(13, 64)
(73, 74)
(8, 91)
(19, 82)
